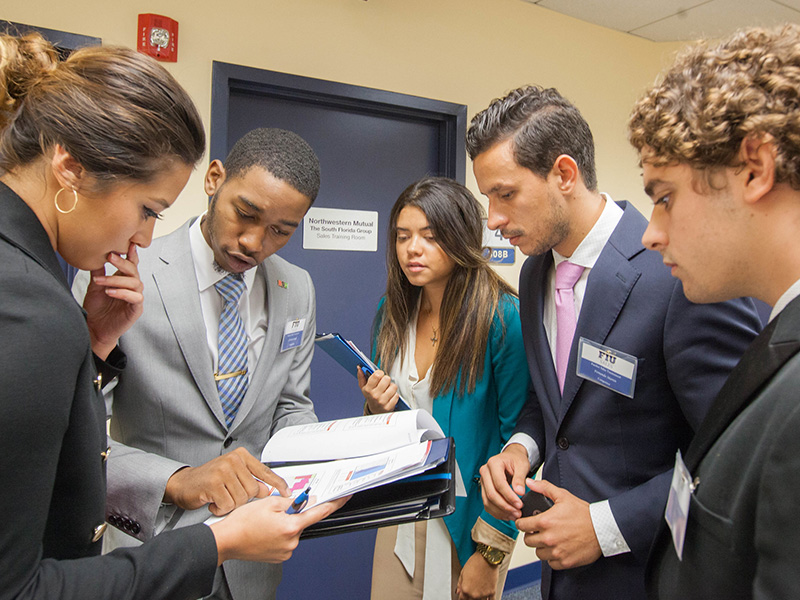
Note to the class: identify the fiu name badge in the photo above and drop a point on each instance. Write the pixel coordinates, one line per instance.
(292, 334)
(605, 366)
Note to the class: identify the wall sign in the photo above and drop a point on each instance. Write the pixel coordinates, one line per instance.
(340, 229)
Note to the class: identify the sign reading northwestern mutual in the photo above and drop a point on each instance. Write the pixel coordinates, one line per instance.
(340, 229)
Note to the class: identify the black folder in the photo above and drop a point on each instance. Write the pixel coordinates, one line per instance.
(430, 495)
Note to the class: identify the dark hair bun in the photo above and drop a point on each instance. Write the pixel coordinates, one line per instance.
(23, 62)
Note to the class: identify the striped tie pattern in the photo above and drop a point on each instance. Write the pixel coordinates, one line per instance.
(231, 374)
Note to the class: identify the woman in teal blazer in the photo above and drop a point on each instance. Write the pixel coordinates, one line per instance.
(448, 338)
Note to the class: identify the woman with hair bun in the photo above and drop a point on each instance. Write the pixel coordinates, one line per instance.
(449, 339)
(92, 150)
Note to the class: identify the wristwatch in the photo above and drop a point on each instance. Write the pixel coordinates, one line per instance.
(492, 555)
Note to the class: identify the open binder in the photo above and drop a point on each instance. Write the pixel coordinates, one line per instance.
(429, 495)
(398, 466)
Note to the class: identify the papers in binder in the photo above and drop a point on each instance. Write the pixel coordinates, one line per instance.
(334, 479)
(348, 438)
(399, 466)
(348, 355)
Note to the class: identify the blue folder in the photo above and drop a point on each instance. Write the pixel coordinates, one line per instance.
(349, 356)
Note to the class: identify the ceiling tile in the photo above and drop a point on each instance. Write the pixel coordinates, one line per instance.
(623, 15)
(674, 20)
(795, 4)
(716, 19)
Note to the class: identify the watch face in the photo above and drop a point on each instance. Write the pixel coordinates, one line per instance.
(492, 555)
(159, 37)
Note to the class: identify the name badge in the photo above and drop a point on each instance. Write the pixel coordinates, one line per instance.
(677, 513)
(605, 366)
(292, 334)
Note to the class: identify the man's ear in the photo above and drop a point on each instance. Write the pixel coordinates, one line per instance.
(69, 173)
(565, 169)
(215, 177)
(757, 154)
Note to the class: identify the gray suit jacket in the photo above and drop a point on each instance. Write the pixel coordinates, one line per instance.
(166, 411)
(743, 532)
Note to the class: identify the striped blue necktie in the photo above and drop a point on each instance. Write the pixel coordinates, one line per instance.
(231, 375)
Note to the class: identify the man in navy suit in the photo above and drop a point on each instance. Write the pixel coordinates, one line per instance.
(612, 402)
(719, 141)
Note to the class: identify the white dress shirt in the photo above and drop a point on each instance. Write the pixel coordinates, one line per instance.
(417, 392)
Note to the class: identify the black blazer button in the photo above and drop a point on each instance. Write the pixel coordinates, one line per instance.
(563, 443)
(227, 442)
(135, 528)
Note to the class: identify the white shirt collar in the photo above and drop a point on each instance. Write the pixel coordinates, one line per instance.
(588, 251)
(789, 295)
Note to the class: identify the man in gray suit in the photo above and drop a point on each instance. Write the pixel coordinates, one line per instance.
(177, 455)
(719, 140)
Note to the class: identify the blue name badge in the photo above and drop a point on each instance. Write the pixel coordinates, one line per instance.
(292, 334)
(605, 366)
(502, 256)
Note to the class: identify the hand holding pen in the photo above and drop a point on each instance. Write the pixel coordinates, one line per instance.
(299, 502)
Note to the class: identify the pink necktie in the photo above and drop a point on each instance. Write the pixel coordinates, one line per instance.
(567, 274)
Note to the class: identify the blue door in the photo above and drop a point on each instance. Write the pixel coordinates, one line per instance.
(371, 145)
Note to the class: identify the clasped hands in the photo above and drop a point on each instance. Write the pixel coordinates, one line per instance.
(564, 535)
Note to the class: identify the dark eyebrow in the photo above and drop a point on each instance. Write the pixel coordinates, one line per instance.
(255, 207)
(407, 229)
(164, 204)
(648, 189)
(259, 210)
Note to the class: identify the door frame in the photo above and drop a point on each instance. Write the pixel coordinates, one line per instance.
(228, 78)
(63, 41)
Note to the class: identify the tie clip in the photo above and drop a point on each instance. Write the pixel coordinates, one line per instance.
(221, 376)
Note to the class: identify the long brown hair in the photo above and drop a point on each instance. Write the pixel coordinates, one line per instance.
(119, 113)
(470, 298)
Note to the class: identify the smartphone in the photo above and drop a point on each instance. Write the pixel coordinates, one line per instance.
(534, 503)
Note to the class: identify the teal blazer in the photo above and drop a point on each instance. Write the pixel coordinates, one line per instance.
(481, 422)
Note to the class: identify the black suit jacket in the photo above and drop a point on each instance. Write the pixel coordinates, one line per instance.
(52, 440)
(601, 445)
(743, 531)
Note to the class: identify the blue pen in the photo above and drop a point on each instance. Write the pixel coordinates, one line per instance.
(299, 502)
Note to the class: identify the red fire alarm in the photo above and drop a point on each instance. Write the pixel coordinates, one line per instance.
(158, 37)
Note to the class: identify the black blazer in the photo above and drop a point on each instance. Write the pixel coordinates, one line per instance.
(52, 445)
(743, 532)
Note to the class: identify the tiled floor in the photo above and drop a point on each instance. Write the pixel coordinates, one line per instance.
(530, 593)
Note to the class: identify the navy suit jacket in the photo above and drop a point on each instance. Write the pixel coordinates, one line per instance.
(599, 444)
(742, 534)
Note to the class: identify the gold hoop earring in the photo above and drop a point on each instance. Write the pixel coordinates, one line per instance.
(74, 204)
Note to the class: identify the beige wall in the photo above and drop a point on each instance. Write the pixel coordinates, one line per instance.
(464, 51)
